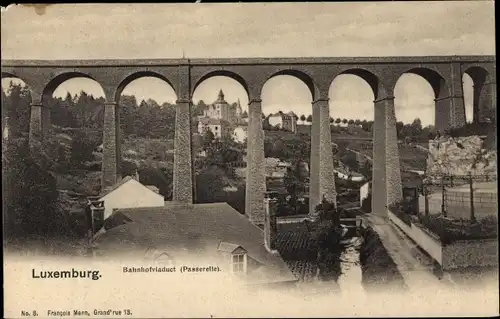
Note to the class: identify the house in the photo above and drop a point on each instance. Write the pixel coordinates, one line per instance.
(215, 234)
(275, 168)
(220, 128)
(240, 133)
(287, 121)
(349, 174)
(130, 193)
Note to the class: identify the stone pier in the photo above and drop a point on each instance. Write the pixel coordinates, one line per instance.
(326, 175)
(314, 197)
(111, 146)
(183, 174)
(386, 188)
(256, 178)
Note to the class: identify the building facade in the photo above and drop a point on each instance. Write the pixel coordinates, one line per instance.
(287, 121)
(218, 127)
(222, 110)
(220, 118)
(130, 193)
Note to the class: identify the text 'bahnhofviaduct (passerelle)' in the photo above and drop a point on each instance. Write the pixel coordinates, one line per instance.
(444, 74)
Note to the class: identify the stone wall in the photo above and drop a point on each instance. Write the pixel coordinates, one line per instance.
(428, 242)
(460, 254)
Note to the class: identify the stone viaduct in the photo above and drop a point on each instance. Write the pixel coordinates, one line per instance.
(444, 73)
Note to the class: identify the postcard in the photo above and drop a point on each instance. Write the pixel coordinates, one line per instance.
(249, 160)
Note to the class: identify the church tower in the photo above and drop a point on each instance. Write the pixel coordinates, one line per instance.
(239, 110)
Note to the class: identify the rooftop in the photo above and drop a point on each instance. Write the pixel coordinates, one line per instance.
(196, 228)
(212, 121)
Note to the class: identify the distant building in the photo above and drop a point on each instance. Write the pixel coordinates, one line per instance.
(221, 118)
(287, 121)
(130, 193)
(275, 168)
(240, 133)
(220, 128)
(222, 110)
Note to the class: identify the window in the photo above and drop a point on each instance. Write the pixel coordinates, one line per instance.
(239, 262)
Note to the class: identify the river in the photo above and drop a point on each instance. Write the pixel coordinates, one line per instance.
(351, 274)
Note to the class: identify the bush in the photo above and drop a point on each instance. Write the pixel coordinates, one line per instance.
(450, 230)
(30, 194)
(403, 209)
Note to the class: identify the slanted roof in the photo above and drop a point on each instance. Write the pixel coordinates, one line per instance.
(190, 227)
(153, 188)
(212, 121)
(228, 247)
(115, 186)
(123, 181)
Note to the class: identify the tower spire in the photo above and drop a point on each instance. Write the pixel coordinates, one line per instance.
(221, 95)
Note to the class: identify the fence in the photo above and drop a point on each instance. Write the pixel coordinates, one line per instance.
(461, 196)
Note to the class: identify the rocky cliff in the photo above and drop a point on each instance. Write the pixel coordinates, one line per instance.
(459, 156)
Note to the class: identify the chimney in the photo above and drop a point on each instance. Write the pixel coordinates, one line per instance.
(270, 225)
(136, 176)
(95, 215)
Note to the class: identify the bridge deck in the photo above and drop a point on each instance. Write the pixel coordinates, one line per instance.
(250, 61)
(415, 267)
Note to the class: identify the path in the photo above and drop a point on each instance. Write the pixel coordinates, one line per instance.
(415, 267)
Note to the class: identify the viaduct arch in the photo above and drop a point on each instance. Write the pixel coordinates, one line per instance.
(444, 73)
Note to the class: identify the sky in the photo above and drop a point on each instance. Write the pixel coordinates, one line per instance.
(76, 31)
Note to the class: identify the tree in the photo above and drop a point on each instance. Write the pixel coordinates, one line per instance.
(399, 128)
(350, 122)
(338, 120)
(416, 127)
(81, 148)
(208, 139)
(326, 238)
(366, 169)
(17, 108)
(309, 118)
(303, 118)
(331, 120)
(344, 121)
(31, 196)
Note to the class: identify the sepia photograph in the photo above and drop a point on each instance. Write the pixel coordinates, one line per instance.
(322, 159)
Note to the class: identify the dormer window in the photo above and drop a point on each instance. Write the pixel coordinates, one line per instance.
(237, 256)
(239, 263)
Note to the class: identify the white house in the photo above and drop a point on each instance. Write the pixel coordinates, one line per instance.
(287, 121)
(240, 133)
(218, 127)
(353, 176)
(130, 193)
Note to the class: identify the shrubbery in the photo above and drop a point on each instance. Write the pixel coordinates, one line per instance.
(30, 197)
(403, 209)
(450, 230)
